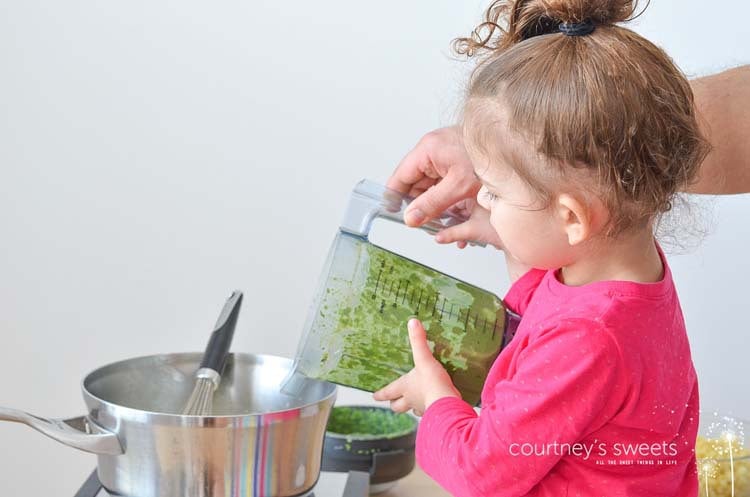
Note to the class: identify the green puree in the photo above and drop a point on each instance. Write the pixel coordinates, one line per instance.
(361, 322)
(362, 421)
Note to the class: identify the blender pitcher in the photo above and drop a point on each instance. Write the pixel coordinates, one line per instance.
(355, 334)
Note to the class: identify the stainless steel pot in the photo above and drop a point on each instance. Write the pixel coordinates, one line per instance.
(258, 442)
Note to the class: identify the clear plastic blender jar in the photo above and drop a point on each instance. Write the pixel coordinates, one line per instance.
(355, 333)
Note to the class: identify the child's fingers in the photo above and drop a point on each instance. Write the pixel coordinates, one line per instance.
(418, 339)
(392, 391)
(458, 233)
(400, 405)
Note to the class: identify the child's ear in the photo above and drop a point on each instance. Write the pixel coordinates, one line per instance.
(576, 218)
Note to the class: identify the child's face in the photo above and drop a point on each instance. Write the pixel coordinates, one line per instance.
(531, 231)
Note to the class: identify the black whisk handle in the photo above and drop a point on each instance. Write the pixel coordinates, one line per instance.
(217, 350)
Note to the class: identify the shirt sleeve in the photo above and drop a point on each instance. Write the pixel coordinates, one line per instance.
(564, 388)
(521, 291)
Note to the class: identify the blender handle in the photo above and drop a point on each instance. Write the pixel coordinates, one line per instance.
(370, 201)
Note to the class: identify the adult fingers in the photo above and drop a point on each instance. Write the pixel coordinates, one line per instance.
(457, 185)
(421, 186)
(439, 166)
(413, 168)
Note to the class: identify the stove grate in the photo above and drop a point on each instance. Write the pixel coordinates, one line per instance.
(357, 485)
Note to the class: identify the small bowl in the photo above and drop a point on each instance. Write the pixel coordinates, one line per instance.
(723, 456)
(371, 439)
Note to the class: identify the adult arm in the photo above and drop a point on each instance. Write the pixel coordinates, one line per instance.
(722, 101)
(723, 105)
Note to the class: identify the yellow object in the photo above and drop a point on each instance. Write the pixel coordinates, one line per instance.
(718, 459)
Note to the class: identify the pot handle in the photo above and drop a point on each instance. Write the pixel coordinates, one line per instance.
(80, 433)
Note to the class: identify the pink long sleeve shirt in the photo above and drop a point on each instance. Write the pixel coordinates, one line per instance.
(596, 395)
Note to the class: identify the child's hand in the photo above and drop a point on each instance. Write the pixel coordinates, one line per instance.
(476, 228)
(424, 384)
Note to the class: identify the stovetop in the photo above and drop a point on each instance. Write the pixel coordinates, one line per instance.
(351, 484)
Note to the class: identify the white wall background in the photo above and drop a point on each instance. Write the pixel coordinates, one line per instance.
(156, 155)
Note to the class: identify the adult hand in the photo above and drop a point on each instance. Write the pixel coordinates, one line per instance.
(438, 173)
(476, 228)
(423, 385)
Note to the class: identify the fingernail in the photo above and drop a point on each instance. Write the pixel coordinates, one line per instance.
(412, 324)
(414, 216)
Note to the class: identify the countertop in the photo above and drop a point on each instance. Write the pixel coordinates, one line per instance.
(416, 484)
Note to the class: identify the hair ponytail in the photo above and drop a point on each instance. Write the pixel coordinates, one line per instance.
(508, 22)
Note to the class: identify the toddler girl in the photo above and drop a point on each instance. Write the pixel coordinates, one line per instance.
(581, 132)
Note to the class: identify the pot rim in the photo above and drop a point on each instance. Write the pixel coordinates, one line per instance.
(196, 420)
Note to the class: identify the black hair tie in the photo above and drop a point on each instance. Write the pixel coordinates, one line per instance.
(577, 28)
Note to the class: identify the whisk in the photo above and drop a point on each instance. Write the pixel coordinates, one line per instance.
(208, 375)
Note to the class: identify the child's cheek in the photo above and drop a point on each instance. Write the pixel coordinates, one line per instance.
(504, 224)
(517, 230)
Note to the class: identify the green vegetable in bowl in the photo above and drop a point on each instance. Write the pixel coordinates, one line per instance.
(366, 422)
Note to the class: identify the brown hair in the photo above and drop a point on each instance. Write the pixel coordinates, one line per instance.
(610, 102)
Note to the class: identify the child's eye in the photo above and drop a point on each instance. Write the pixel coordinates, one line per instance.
(489, 195)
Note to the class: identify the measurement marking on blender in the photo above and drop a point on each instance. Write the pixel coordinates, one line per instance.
(377, 281)
(402, 292)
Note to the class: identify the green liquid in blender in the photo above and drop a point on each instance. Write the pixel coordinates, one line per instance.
(366, 344)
